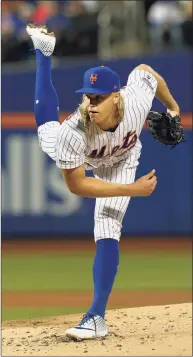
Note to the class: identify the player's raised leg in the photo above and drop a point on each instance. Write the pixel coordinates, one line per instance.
(46, 100)
(109, 213)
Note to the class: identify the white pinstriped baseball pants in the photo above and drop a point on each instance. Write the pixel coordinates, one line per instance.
(110, 211)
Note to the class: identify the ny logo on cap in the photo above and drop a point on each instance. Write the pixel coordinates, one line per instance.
(93, 78)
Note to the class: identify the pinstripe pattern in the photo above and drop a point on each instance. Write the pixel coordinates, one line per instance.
(47, 135)
(70, 152)
(110, 211)
(113, 156)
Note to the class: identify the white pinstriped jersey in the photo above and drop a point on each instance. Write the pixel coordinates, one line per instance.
(73, 144)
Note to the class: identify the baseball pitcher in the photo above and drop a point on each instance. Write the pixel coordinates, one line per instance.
(101, 135)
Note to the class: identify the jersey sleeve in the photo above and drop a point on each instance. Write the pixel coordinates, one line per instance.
(143, 80)
(70, 148)
(47, 136)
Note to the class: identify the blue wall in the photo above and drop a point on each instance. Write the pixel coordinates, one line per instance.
(176, 68)
(34, 197)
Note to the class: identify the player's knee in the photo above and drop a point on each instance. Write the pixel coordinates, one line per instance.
(96, 238)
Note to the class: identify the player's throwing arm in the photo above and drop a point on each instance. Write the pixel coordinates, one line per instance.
(79, 184)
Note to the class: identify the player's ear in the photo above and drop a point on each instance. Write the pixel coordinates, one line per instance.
(116, 98)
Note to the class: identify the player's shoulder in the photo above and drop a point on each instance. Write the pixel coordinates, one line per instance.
(140, 73)
(74, 122)
(73, 118)
(141, 78)
(73, 126)
(125, 94)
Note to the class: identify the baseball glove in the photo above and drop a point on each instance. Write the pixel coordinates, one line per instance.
(165, 128)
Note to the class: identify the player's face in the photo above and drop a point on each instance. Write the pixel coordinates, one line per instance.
(102, 107)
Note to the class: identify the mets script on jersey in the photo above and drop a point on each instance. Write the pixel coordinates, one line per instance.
(73, 144)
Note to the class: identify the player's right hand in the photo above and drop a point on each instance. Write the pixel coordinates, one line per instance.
(145, 185)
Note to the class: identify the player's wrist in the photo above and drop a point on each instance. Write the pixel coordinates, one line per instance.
(175, 110)
(127, 190)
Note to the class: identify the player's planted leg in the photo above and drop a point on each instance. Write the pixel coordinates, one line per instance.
(104, 272)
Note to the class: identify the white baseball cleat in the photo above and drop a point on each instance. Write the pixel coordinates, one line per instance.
(42, 40)
(92, 326)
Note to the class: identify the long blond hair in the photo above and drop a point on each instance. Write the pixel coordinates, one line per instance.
(83, 108)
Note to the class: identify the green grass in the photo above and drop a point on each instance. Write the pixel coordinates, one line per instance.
(60, 272)
(74, 272)
(21, 313)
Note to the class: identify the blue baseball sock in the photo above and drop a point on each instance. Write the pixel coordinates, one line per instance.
(46, 105)
(104, 271)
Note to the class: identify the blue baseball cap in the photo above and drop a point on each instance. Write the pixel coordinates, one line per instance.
(100, 80)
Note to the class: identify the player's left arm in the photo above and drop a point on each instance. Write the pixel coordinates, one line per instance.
(162, 93)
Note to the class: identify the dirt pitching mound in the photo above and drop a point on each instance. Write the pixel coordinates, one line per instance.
(146, 331)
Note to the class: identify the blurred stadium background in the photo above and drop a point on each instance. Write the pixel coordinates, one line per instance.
(47, 232)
